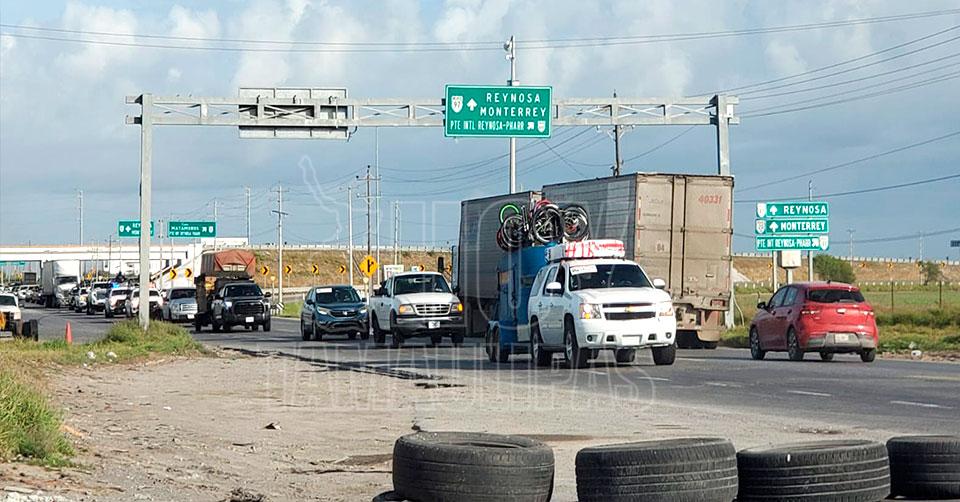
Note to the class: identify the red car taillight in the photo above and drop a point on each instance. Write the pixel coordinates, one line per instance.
(809, 310)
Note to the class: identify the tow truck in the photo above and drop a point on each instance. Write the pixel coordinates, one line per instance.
(579, 298)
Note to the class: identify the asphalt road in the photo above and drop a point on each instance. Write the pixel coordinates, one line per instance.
(895, 395)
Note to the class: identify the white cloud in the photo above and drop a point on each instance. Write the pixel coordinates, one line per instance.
(784, 58)
(194, 24)
(173, 75)
(90, 61)
(266, 69)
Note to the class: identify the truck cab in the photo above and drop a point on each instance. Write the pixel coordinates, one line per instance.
(239, 303)
(414, 304)
(585, 298)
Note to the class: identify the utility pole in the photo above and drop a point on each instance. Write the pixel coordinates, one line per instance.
(280, 215)
(511, 49)
(617, 133)
(80, 218)
(216, 204)
(850, 234)
(160, 241)
(368, 178)
(350, 231)
(810, 253)
(110, 256)
(396, 232)
(246, 194)
(377, 176)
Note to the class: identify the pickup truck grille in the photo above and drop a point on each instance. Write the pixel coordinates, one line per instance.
(248, 308)
(188, 307)
(432, 309)
(629, 316)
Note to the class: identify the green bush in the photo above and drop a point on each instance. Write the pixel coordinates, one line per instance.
(29, 426)
(934, 318)
(830, 268)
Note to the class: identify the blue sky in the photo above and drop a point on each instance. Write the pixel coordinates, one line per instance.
(62, 108)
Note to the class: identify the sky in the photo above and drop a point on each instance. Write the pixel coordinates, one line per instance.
(62, 112)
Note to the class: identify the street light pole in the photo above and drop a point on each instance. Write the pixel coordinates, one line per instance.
(511, 49)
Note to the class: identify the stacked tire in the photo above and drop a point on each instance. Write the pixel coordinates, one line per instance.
(471, 467)
(675, 470)
(824, 471)
(925, 467)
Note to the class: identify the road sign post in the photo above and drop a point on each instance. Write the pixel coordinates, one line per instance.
(192, 229)
(498, 111)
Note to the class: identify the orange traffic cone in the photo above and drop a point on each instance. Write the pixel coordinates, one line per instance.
(68, 336)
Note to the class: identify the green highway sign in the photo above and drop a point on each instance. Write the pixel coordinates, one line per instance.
(498, 111)
(131, 228)
(792, 209)
(784, 226)
(790, 243)
(192, 229)
(15, 263)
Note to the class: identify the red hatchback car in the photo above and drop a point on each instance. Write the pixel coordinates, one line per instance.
(824, 317)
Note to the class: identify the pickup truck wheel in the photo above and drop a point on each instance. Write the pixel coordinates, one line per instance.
(925, 467)
(625, 356)
(379, 337)
(684, 470)
(827, 471)
(472, 467)
(575, 356)
(542, 358)
(793, 346)
(868, 355)
(304, 334)
(396, 337)
(756, 351)
(664, 356)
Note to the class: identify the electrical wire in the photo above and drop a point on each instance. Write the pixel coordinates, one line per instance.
(857, 192)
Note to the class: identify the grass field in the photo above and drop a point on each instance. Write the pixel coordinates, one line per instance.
(30, 426)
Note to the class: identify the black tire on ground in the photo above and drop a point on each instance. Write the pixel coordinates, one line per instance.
(379, 337)
(489, 344)
(675, 470)
(827, 471)
(664, 356)
(574, 355)
(266, 325)
(756, 350)
(710, 345)
(472, 467)
(540, 357)
(304, 334)
(826, 356)
(396, 337)
(624, 356)
(925, 467)
(868, 355)
(315, 333)
(794, 352)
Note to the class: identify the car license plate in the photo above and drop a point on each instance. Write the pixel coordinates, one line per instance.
(433, 324)
(189, 316)
(842, 337)
(249, 319)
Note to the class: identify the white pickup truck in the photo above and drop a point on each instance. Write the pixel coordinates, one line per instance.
(589, 298)
(416, 304)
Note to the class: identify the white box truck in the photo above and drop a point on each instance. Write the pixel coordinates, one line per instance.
(57, 278)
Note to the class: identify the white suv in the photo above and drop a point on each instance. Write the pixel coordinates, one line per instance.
(416, 304)
(582, 305)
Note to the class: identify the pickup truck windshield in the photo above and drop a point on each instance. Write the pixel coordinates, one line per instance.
(834, 296)
(242, 290)
(327, 296)
(7, 301)
(427, 283)
(178, 294)
(607, 276)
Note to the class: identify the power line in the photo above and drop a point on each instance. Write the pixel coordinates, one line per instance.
(858, 192)
(661, 145)
(852, 162)
(407, 47)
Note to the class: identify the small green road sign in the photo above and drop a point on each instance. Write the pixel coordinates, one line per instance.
(784, 226)
(192, 229)
(131, 228)
(792, 209)
(498, 111)
(790, 243)
(14, 263)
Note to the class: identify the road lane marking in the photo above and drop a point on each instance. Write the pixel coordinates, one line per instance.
(723, 384)
(921, 405)
(808, 393)
(658, 379)
(595, 372)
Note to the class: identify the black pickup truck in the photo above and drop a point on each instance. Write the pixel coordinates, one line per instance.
(232, 301)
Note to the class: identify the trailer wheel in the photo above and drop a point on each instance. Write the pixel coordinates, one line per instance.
(925, 467)
(472, 467)
(686, 469)
(828, 471)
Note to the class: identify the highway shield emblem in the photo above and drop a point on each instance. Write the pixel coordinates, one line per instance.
(456, 103)
(761, 210)
(541, 125)
(761, 226)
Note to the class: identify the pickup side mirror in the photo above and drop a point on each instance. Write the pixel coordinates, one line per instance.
(267, 294)
(553, 287)
(659, 283)
(762, 306)
(308, 301)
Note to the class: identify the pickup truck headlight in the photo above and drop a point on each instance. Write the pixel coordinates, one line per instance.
(323, 311)
(227, 304)
(456, 307)
(590, 311)
(665, 310)
(405, 309)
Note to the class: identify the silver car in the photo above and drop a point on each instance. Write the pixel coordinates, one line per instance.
(181, 305)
